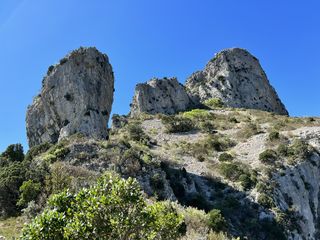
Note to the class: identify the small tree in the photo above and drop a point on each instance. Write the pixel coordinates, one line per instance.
(13, 153)
(112, 209)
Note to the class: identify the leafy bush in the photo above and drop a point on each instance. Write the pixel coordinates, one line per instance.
(63, 176)
(175, 124)
(11, 178)
(196, 220)
(265, 200)
(29, 191)
(36, 150)
(214, 103)
(136, 133)
(299, 149)
(198, 114)
(268, 156)
(274, 135)
(225, 157)
(57, 152)
(13, 153)
(113, 209)
(238, 173)
(216, 220)
(249, 130)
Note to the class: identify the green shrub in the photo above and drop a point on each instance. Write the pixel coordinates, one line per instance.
(176, 124)
(13, 153)
(299, 149)
(11, 178)
(265, 200)
(282, 150)
(156, 181)
(29, 191)
(274, 135)
(238, 172)
(57, 152)
(225, 157)
(136, 133)
(198, 114)
(216, 221)
(231, 171)
(36, 150)
(63, 176)
(249, 130)
(214, 103)
(112, 209)
(268, 156)
(207, 127)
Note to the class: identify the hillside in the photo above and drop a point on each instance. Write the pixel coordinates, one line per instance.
(216, 158)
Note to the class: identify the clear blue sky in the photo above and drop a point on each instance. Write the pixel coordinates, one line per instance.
(147, 38)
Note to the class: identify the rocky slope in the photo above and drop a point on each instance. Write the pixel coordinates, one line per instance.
(76, 96)
(235, 77)
(261, 170)
(160, 96)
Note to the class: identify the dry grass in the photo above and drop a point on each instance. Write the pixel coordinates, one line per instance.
(11, 228)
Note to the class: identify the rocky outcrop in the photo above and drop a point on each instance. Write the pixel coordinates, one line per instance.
(235, 77)
(166, 96)
(76, 96)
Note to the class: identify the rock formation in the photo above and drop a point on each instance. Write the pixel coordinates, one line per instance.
(76, 96)
(160, 96)
(235, 77)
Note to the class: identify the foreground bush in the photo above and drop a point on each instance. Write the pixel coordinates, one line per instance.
(113, 209)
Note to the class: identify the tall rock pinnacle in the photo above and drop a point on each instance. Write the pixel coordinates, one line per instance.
(235, 77)
(76, 97)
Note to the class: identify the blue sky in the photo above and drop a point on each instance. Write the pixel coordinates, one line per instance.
(157, 38)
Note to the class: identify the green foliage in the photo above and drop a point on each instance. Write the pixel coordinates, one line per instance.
(13, 153)
(176, 124)
(11, 178)
(29, 191)
(225, 157)
(216, 220)
(63, 176)
(274, 135)
(37, 150)
(265, 200)
(198, 114)
(238, 172)
(299, 149)
(249, 130)
(214, 103)
(112, 209)
(136, 133)
(57, 152)
(268, 156)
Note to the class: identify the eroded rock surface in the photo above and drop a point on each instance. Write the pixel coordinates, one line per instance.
(166, 96)
(237, 78)
(76, 96)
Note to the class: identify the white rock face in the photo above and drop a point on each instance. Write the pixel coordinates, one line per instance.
(236, 77)
(76, 96)
(160, 96)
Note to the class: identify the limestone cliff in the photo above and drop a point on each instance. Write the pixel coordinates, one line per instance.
(235, 77)
(76, 96)
(160, 96)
